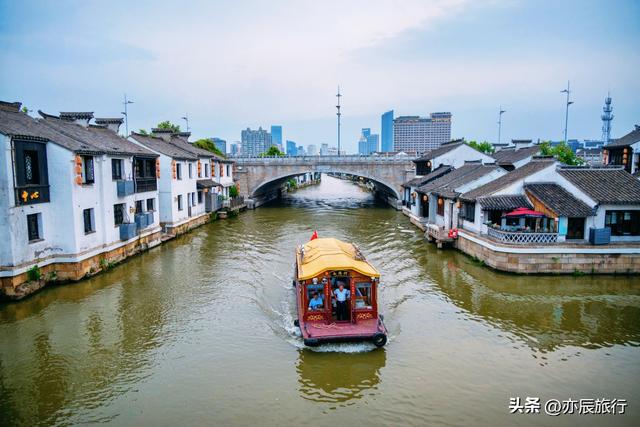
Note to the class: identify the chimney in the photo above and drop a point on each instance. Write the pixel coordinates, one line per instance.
(12, 107)
(78, 117)
(164, 134)
(111, 123)
(183, 136)
(521, 143)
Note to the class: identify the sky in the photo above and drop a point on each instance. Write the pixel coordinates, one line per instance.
(233, 65)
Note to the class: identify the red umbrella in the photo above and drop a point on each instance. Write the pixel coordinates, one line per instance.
(524, 212)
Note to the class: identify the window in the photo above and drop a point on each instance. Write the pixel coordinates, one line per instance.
(440, 210)
(468, 211)
(206, 170)
(317, 288)
(139, 206)
(190, 170)
(363, 295)
(179, 170)
(151, 205)
(89, 224)
(87, 170)
(145, 174)
(179, 202)
(31, 178)
(116, 168)
(199, 197)
(228, 170)
(33, 227)
(623, 222)
(118, 213)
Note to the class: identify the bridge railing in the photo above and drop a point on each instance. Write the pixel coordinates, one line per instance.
(323, 159)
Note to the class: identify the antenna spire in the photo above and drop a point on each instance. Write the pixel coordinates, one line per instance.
(338, 114)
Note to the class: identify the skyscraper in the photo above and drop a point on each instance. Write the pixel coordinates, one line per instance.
(255, 142)
(301, 151)
(386, 133)
(220, 144)
(368, 142)
(421, 134)
(235, 149)
(276, 136)
(312, 150)
(324, 149)
(292, 149)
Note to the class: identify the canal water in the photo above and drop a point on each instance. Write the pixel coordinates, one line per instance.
(200, 332)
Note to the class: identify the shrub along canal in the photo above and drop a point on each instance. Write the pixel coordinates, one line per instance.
(200, 331)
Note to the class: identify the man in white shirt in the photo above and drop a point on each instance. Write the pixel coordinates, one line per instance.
(342, 295)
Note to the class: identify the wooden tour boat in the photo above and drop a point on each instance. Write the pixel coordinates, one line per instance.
(327, 270)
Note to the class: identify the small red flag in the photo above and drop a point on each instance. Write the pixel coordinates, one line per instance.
(314, 235)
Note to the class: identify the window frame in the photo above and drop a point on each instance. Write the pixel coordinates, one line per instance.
(91, 218)
(30, 191)
(179, 171)
(623, 227)
(151, 207)
(180, 203)
(119, 207)
(120, 169)
(37, 217)
(88, 170)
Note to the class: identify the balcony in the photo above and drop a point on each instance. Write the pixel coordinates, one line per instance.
(125, 187)
(128, 230)
(31, 194)
(522, 237)
(146, 184)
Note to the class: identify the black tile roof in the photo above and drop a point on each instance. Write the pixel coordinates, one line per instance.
(558, 200)
(207, 183)
(102, 140)
(158, 144)
(18, 124)
(605, 185)
(443, 149)
(515, 175)
(434, 174)
(504, 203)
(446, 185)
(630, 138)
(508, 156)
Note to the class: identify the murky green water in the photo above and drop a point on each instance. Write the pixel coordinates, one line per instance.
(199, 332)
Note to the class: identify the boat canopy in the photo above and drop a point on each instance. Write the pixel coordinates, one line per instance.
(320, 255)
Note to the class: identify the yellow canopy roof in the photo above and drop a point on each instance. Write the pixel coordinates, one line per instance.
(320, 255)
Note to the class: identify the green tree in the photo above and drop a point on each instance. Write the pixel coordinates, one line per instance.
(233, 191)
(207, 144)
(484, 146)
(143, 132)
(272, 152)
(562, 152)
(168, 125)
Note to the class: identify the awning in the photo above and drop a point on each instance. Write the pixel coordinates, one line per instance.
(524, 212)
(206, 183)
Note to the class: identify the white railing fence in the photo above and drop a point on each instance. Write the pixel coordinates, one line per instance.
(520, 237)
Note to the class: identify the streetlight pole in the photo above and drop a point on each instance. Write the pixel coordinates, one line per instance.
(126, 115)
(186, 119)
(338, 114)
(566, 114)
(500, 113)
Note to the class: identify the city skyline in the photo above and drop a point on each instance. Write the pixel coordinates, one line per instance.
(501, 57)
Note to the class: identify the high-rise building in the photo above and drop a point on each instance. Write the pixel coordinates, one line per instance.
(235, 149)
(220, 144)
(255, 142)
(386, 133)
(312, 150)
(368, 142)
(421, 134)
(301, 151)
(276, 136)
(292, 149)
(324, 149)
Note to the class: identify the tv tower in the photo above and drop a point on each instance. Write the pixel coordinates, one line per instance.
(338, 114)
(607, 117)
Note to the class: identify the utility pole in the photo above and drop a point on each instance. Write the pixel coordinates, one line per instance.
(126, 115)
(500, 113)
(186, 119)
(338, 114)
(566, 115)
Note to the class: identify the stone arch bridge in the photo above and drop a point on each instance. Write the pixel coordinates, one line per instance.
(260, 178)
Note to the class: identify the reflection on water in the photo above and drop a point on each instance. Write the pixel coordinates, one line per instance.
(336, 377)
(190, 332)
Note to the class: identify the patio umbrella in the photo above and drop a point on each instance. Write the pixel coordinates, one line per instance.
(524, 212)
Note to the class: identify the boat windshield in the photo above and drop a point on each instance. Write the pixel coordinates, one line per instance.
(364, 295)
(315, 296)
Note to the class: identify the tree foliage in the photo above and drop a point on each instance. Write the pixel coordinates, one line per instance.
(233, 191)
(143, 132)
(168, 125)
(272, 152)
(562, 152)
(207, 144)
(484, 146)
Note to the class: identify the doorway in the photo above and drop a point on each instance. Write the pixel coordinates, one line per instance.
(575, 228)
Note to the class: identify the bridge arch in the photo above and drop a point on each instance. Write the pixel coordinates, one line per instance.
(264, 186)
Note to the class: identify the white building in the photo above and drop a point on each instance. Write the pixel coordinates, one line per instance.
(71, 196)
